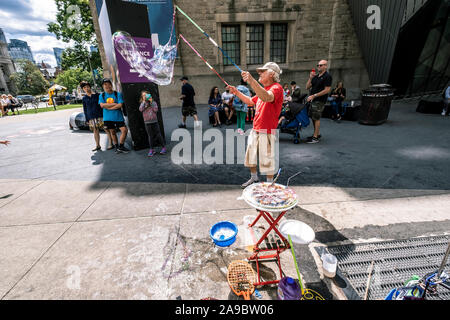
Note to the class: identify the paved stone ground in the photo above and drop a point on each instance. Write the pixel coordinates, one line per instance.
(79, 225)
(410, 151)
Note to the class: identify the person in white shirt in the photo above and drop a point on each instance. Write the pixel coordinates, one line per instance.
(227, 99)
(4, 101)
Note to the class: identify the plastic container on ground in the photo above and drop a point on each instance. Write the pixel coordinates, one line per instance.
(223, 233)
(289, 289)
(329, 264)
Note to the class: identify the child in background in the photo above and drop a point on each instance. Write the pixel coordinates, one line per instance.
(241, 108)
(251, 110)
(286, 90)
(149, 109)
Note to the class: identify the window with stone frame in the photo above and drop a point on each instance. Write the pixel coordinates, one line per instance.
(255, 43)
(278, 42)
(231, 43)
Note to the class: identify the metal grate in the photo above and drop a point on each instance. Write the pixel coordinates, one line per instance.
(394, 263)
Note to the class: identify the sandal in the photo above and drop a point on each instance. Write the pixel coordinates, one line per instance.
(97, 148)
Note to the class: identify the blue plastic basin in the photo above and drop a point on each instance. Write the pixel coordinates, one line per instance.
(223, 241)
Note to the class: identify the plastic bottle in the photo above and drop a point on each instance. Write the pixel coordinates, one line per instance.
(288, 289)
(249, 234)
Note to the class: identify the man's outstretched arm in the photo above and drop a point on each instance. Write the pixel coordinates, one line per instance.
(265, 96)
(245, 99)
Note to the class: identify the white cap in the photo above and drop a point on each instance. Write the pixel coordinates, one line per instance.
(271, 66)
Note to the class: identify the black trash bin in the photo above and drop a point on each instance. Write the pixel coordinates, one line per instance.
(376, 104)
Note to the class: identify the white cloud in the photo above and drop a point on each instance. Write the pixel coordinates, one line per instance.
(45, 9)
(32, 27)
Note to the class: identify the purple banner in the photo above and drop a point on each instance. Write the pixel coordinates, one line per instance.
(126, 73)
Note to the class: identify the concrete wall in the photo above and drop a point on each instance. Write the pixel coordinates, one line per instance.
(317, 29)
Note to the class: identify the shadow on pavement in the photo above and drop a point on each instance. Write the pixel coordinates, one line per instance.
(407, 152)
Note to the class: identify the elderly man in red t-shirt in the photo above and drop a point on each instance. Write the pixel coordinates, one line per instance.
(268, 101)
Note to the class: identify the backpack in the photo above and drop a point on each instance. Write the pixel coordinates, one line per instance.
(116, 97)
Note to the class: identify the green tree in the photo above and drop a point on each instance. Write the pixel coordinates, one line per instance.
(79, 57)
(71, 78)
(73, 22)
(29, 79)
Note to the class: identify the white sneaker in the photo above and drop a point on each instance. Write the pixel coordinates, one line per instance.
(443, 113)
(249, 182)
(240, 131)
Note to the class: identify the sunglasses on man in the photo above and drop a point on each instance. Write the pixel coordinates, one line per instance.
(321, 65)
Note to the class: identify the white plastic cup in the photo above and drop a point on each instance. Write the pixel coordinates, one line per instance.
(329, 264)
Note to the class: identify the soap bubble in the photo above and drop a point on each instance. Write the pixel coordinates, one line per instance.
(158, 69)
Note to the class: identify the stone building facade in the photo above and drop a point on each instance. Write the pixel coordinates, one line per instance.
(297, 33)
(6, 69)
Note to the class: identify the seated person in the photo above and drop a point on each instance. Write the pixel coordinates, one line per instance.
(4, 104)
(286, 94)
(284, 110)
(337, 97)
(227, 100)
(215, 105)
(13, 104)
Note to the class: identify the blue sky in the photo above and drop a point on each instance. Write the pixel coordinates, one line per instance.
(27, 20)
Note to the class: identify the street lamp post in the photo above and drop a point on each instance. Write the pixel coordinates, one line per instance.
(90, 68)
(92, 72)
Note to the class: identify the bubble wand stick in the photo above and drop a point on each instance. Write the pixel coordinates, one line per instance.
(206, 62)
(209, 38)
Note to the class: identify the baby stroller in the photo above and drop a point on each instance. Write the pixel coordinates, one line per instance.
(296, 118)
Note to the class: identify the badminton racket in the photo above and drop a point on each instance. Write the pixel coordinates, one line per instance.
(241, 278)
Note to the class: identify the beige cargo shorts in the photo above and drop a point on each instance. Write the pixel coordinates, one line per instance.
(263, 147)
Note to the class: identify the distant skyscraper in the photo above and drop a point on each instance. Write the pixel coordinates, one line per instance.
(58, 55)
(2, 36)
(19, 49)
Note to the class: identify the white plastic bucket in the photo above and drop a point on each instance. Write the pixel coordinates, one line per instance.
(329, 264)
